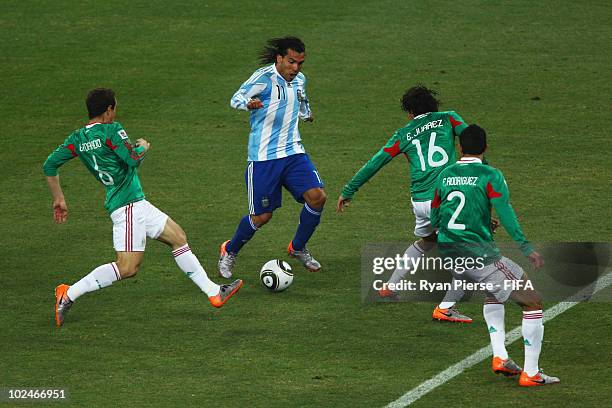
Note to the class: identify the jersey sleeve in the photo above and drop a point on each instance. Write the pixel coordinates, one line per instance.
(376, 162)
(457, 123)
(499, 195)
(253, 87)
(64, 152)
(304, 113)
(120, 143)
(434, 214)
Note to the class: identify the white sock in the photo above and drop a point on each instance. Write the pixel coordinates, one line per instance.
(101, 277)
(187, 261)
(413, 252)
(452, 296)
(533, 333)
(494, 314)
(446, 305)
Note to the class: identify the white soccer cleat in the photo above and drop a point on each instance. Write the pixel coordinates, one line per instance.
(226, 261)
(305, 257)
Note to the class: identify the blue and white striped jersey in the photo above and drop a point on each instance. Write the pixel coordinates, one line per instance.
(274, 128)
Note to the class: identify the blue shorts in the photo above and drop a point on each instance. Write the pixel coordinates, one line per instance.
(264, 180)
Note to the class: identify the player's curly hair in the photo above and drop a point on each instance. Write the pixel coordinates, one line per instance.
(279, 46)
(419, 100)
(98, 101)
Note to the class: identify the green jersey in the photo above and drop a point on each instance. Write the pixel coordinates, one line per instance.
(427, 141)
(108, 154)
(461, 210)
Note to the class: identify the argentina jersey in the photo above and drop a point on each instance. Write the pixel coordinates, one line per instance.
(274, 127)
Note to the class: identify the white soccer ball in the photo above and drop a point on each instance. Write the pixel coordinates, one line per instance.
(276, 275)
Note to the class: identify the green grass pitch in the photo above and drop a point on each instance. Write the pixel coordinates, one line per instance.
(535, 75)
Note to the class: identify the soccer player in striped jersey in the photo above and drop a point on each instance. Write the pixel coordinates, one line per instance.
(107, 152)
(275, 96)
(428, 142)
(461, 210)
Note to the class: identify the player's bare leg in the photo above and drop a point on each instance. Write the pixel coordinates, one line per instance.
(174, 236)
(310, 217)
(129, 263)
(533, 334)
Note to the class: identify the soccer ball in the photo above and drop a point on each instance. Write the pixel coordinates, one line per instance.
(276, 275)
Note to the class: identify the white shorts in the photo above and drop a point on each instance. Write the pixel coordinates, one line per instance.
(133, 223)
(499, 275)
(422, 225)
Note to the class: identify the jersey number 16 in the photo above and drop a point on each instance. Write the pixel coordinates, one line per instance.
(432, 149)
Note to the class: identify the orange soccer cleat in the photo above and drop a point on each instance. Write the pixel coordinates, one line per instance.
(225, 292)
(506, 367)
(388, 293)
(450, 315)
(537, 380)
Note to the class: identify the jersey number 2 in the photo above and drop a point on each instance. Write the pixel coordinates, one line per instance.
(105, 177)
(451, 222)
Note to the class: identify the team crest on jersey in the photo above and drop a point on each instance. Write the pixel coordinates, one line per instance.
(122, 134)
(265, 202)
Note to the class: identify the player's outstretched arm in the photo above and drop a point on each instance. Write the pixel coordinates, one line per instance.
(60, 209)
(377, 162)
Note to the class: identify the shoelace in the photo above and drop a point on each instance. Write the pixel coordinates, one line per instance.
(227, 288)
(306, 254)
(231, 258)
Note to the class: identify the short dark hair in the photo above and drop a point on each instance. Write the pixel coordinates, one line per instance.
(279, 46)
(98, 101)
(419, 100)
(473, 140)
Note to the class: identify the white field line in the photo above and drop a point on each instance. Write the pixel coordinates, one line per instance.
(454, 370)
